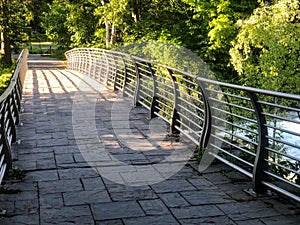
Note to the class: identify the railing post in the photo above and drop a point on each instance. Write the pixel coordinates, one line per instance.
(207, 126)
(115, 72)
(15, 106)
(125, 75)
(154, 103)
(137, 85)
(6, 147)
(11, 122)
(260, 164)
(107, 69)
(90, 63)
(175, 115)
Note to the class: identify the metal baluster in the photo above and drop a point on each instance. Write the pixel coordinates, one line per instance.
(260, 164)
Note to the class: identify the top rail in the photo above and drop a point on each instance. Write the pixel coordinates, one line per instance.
(10, 107)
(255, 131)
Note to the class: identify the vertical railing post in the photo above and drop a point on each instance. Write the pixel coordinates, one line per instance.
(137, 85)
(86, 62)
(207, 118)
(107, 69)
(90, 63)
(260, 164)
(175, 115)
(6, 147)
(154, 102)
(115, 72)
(125, 75)
(11, 122)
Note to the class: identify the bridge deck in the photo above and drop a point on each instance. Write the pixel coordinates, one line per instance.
(75, 177)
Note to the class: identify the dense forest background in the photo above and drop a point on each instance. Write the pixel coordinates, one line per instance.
(249, 42)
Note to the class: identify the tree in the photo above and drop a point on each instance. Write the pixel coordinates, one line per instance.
(266, 52)
(14, 20)
(38, 7)
(54, 23)
(216, 19)
(71, 23)
(110, 14)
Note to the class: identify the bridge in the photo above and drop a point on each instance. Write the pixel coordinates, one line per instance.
(123, 150)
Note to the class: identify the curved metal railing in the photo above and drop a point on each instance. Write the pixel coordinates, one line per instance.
(10, 106)
(255, 131)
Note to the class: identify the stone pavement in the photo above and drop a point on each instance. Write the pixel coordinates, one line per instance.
(85, 161)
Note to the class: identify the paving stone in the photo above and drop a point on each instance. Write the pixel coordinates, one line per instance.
(36, 156)
(52, 142)
(152, 220)
(236, 191)
(66, 149)
(154, 207)
(64, 159)
(173, 186)
(206, 197)
(20, 220)
(248, 210)
(66, 215)
(44, 175)
(93, 183)
(110, 222)
(190, 212)
(251, 222)
(85, 197)
(27, 207)
(217, 220)
(48, 187)
(282, 205)
(43, 164)
(280, 220)
(26, 151)
(116, 210)
(217, 178)
(202, 184)
(22, 185)
(173, 199)
(133, 195)
(51, 201)
(74, 173)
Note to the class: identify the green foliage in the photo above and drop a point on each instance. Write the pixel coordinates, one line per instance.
(236, 46)
(14, 25)
(266, 52)
(5, 75)
(4, 81)
(54, 23)
(216, 20)
(17, 173)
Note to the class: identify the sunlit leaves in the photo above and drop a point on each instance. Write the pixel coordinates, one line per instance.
(266, 52)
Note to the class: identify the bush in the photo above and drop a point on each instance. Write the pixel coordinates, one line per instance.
(5, 76)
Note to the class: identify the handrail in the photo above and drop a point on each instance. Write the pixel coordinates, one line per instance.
(10, 107)
(250, 129)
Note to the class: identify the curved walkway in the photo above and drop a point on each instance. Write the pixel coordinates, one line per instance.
(121, 175)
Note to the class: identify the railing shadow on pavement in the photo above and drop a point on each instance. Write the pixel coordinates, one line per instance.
(252, 130)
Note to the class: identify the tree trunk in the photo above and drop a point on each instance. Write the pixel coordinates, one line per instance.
(7, 61)
(135, 10)
(108, 37)
(113, 34)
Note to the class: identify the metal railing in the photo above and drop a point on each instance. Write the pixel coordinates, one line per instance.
(252, 130)
(10, 106)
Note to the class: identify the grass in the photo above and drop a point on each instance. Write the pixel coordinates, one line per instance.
(46, 48)
(41, 47)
